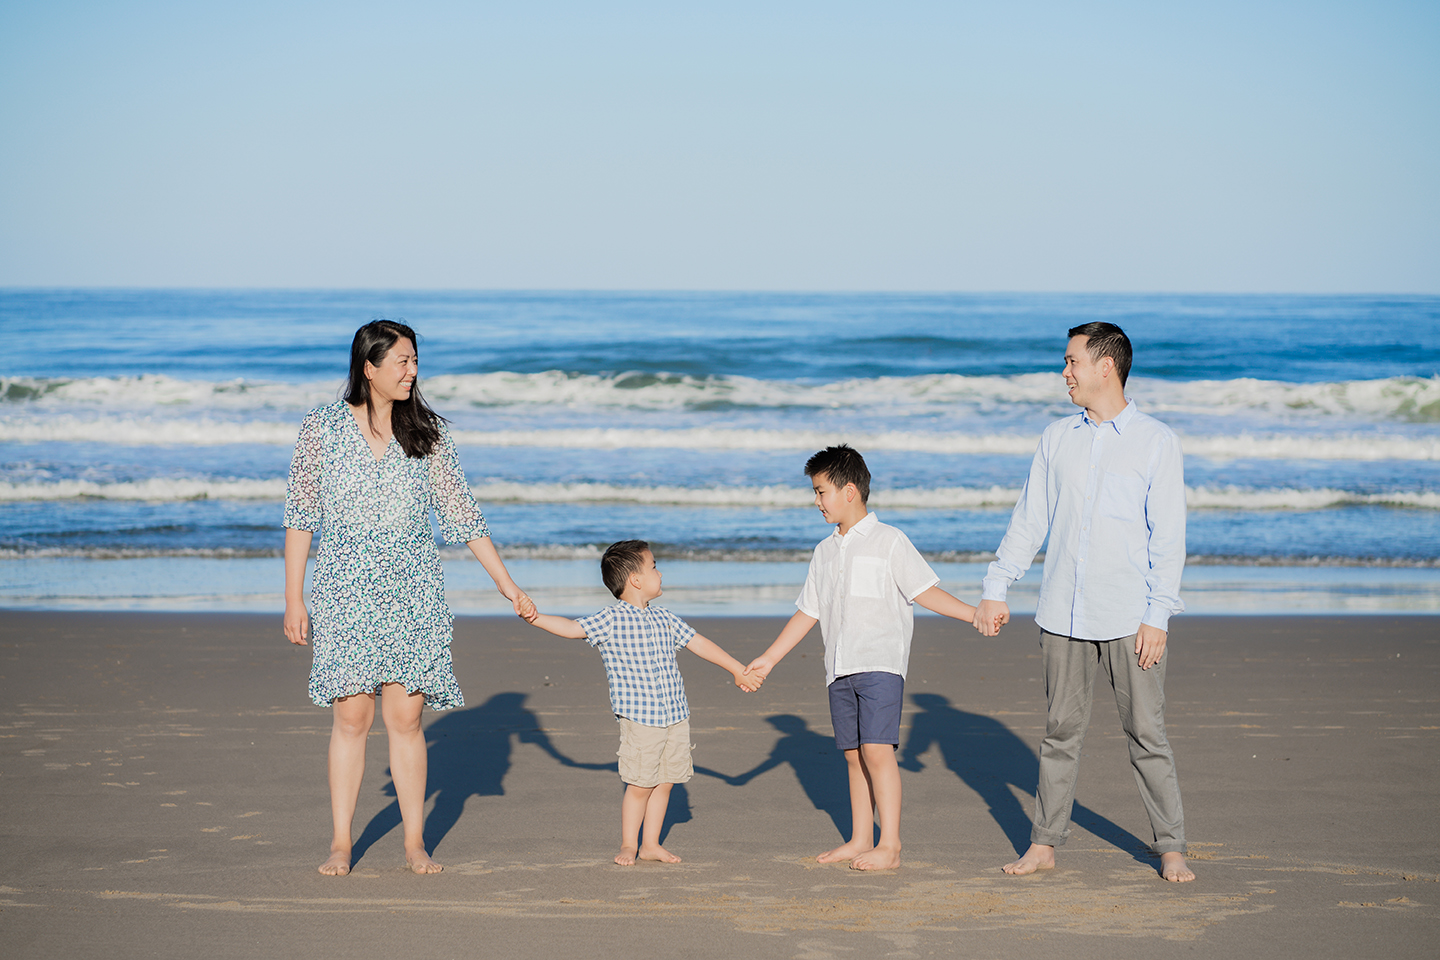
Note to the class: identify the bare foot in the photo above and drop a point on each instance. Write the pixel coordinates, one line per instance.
(848, 851)
(1174, 868)
(657, 852)
(626, 857)
(1038, 857)
(883, 857)
(338, 865)
(419, 862)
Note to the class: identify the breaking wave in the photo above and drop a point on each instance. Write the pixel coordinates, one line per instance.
(592, 551)
(154, 431)
(916, 498)
(1403, 399)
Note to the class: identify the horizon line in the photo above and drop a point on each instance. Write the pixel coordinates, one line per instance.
(713, 291)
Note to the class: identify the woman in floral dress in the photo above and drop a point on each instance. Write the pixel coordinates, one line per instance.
(366, 472)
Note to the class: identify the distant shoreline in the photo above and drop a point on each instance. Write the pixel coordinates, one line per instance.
(693, 588)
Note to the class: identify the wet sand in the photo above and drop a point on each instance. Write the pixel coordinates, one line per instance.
(163, 784)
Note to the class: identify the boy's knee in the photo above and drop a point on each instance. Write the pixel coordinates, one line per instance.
(878, 754)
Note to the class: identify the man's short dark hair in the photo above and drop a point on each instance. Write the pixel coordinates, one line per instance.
(1106, 340)
(620, 561)
(842, 465)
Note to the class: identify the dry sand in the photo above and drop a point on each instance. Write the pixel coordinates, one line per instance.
(163, 785)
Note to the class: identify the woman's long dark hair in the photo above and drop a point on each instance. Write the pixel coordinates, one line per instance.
(415, 425)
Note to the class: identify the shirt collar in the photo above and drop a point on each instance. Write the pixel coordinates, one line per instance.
(863, 527)
(1120, 421)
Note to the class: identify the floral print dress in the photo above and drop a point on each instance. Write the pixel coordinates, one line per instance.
(377, 595)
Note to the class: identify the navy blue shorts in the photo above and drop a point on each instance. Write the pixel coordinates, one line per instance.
(865, 708)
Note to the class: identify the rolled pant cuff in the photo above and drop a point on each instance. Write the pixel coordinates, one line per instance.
(1046, 838)
(1169, 846)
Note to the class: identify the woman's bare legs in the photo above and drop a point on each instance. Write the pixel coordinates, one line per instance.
(408, 769)
(353, 717)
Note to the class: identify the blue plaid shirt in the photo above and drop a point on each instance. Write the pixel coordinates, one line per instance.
(638, 647)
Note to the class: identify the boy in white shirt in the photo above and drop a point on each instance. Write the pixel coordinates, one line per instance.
(863, 583)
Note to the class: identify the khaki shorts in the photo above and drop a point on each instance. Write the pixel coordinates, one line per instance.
(650, 756)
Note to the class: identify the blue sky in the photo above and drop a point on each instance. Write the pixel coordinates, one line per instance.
(1154, 146)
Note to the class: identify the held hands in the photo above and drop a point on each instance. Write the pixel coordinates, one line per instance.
(990, 616)
(748, 683)
(524, 607)
(1149, 645)
(297, 623)
(760, 668)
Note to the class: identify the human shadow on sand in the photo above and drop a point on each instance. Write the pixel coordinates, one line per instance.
(468, 754)
(818, 765)
(990, 759)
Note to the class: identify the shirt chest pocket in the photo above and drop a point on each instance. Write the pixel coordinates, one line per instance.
(867, 577)
(1121, 497)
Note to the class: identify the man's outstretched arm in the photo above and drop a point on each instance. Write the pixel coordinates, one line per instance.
(1029, 523)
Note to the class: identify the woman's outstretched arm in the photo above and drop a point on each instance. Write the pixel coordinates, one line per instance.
(489, 557)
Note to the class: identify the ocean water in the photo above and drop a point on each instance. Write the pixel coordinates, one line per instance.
(145, 434)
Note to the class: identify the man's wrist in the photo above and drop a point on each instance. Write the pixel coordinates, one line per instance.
(995, 590)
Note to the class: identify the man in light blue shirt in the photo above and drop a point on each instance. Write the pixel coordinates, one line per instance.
(1108, 487)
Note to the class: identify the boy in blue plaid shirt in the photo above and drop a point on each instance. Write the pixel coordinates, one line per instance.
(638, 644)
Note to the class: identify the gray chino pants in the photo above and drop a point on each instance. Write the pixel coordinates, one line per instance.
(1070, 668)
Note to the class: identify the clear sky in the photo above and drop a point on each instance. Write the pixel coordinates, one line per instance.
(1025, 146)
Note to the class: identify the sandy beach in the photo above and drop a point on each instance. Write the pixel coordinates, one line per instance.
(163, 780)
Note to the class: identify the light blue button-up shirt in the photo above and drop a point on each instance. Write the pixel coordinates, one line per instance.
(1111, 496)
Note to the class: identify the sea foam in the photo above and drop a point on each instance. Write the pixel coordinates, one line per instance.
(1403, 399)
(200, 432)
(913, 498)
(592, 551)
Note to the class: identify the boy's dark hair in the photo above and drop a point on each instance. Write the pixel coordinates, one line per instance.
(1106, 340)
(620, 560)
(842, 465)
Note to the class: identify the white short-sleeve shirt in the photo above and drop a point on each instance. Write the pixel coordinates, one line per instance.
(862, 588)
